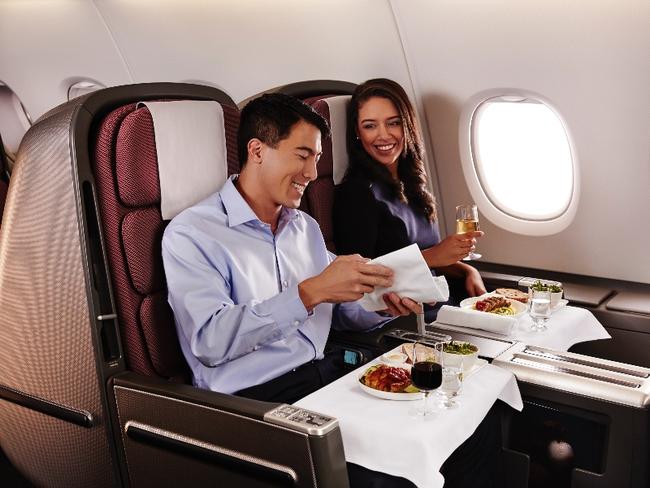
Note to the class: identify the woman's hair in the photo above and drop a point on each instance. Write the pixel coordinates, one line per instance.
(412, 185)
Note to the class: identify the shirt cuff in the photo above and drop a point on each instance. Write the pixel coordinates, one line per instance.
(288, 311)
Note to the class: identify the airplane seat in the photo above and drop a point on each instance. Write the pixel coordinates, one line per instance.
(88, 343)
(319, 197)
(329, 98)
(129, 194)
(4, 178)
(4, 188)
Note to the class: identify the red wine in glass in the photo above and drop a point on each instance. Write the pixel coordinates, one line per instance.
(427, 376)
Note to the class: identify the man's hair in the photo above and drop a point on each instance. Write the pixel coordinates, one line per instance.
(270, 118)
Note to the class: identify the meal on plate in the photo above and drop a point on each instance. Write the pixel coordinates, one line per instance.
(539, 286)
(388, 378)
(495, 304)
(513, 294)
(456, 347)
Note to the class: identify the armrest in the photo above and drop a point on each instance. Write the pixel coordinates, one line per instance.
(180, 435)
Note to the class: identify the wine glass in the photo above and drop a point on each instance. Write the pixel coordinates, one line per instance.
(467, 221)
(426, 375)
(540, 309)
(452, 377)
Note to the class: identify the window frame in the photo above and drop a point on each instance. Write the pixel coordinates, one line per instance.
(470, 165)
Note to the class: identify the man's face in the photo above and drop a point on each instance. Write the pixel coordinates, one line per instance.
(288, 168)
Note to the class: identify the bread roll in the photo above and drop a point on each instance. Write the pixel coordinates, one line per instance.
(513, 294)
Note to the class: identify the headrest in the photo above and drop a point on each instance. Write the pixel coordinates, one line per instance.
(190, 145)
(334, 109)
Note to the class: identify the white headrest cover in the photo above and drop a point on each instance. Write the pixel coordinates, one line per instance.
(338, 107)
(191, 151)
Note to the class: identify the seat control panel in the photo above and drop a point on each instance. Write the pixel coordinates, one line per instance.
(297, 418)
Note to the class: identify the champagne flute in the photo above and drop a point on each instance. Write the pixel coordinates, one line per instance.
(467, 221)
(426, 375)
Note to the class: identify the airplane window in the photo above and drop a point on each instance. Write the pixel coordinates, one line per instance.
(83, 87)
(523, 157)
(14, 121)
(519, 162)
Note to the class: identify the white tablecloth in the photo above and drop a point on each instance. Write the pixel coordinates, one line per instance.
(382, 436)
(566, 326)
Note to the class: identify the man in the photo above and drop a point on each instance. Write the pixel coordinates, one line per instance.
(252, 286)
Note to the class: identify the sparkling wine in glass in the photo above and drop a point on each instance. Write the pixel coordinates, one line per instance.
(426, 375)
(467, 221)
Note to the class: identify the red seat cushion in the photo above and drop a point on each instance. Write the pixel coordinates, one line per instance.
(319, 197)
(128, 190)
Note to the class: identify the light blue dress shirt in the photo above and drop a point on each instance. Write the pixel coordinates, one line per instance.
(233, 287)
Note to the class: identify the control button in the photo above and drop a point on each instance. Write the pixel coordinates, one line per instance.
(296, 323)
(285, 283)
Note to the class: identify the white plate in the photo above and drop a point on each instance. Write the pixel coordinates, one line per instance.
(520, 308)
(387, 395)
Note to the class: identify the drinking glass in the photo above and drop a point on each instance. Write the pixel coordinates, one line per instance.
(467, 221)
(426, 375)
(540, 309)
(452, 377)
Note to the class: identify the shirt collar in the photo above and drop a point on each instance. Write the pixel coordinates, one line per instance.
(238, 210)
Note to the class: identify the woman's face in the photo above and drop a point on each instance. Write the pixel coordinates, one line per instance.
(380, 131)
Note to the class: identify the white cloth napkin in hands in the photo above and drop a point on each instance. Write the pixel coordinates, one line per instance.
(412, 279)
(475, 319)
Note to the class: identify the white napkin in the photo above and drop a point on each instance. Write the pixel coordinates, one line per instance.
(412, 279)
(474, 319)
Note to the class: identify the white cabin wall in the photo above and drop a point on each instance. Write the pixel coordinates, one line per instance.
(243, 47)
(246, 47)
(45, 46)
(590, 58)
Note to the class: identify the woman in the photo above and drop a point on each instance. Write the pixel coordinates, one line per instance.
(383, 203)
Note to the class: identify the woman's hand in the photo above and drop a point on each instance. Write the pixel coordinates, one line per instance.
(474, 283)
(451, 249)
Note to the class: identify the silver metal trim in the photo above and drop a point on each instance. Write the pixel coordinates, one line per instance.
(529, 281)
(427, 337)
(521, 359)
(557, 356)
(211, 447)
(219, 410)
(109, 316)
(90, 420)
(475, 332)
(292, 420)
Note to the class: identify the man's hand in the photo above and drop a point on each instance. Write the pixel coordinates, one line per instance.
(401, 306)
(346, 279)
